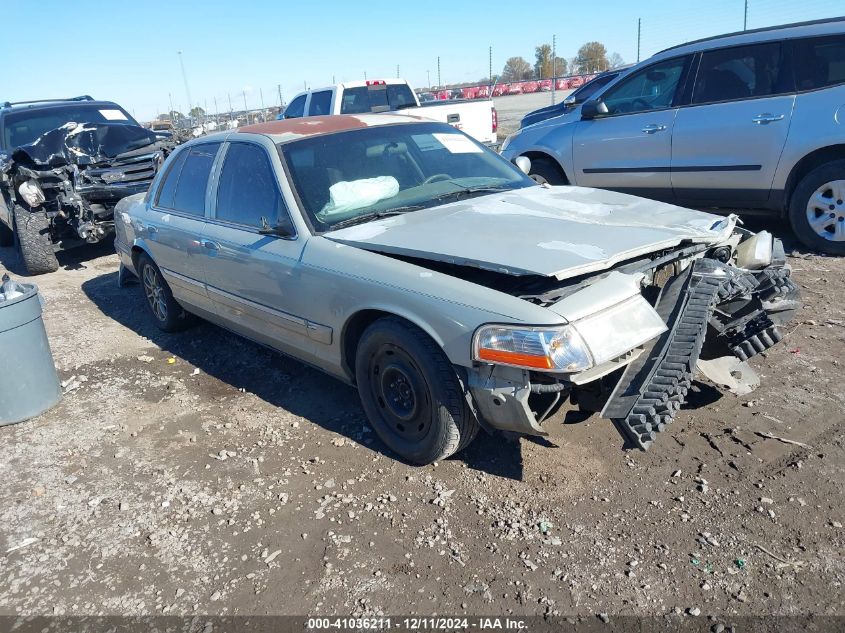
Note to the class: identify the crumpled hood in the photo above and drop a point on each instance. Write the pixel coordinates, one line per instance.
(85, 144)
(557, 232)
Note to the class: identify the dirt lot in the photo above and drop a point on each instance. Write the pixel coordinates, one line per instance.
(200, 473)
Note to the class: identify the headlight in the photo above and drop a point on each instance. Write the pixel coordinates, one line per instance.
(31, 193)
(556, 349)
(755, 252)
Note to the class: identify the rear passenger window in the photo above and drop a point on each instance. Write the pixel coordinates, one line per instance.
(819, 62)
(247, 191)
(193, 180)
(321, 103)
(168, 186)
(741, 73)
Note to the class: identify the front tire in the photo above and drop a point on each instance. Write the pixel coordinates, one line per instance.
(168, 314)
(546, 171)
(817, 209)
(411, 393)
(34, 241)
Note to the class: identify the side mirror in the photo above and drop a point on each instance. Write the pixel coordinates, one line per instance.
(593, 108)
(523, 163)
(570, 100)
(279, 230)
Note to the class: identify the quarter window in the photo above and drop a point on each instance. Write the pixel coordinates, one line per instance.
(742, 72)
(296, 108)
(321, 103)
(189, 196)
(819, 62)
(652, 88)
(168, 186)
(248, 191)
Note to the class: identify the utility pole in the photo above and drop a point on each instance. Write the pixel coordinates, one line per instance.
(397, 71)
(428, 76)
(438, 72)
(230, 105)
(185, 79)
(745, 18)
(279, 86)
(490, 68)
(170, 96)
(261, 97)
(365, 75)
(639, 33)
(554, 66)
(246, 110)
(216, 112)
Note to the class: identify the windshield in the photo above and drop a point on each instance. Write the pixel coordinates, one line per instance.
(589, 89)
(21, 128)
(354, 176)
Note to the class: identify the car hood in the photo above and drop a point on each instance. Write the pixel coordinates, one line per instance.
(557, 232)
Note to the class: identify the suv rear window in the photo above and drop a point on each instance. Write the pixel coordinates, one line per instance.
(819, 62)
(742, 72)
(377, 98)
(21, 128)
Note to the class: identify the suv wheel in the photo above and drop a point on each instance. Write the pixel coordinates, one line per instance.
(168, 314)
(411, 393)
(817, 209)
(36, 246)
(545, 171)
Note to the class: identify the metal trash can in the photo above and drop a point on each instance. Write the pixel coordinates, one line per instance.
(29, 384)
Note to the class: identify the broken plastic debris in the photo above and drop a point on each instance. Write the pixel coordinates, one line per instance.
(10, 289)
(739, 562)
(24, 543)
(171, 360)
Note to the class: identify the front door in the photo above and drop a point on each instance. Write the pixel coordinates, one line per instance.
(727, 143)
(630, 148)
(253, 277)
(174, 225)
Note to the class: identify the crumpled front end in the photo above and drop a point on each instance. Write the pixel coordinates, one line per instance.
(644, 327)
(75, 174)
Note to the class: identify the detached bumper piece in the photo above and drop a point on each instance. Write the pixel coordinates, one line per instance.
(653, 387)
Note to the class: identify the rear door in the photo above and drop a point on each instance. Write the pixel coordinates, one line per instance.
(727, 143)
(174, 225)
(630, 148)
(253, 279)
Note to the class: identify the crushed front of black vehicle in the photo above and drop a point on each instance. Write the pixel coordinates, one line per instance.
(75, 174)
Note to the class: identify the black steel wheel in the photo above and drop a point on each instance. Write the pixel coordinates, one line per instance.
(411, 393)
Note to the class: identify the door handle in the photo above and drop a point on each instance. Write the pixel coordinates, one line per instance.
(651, 129)
(212, 246)
(767, 117)
(152, 230)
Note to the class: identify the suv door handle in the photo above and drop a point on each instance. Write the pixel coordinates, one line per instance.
(767, 117)
(651, 129)
(212, 246)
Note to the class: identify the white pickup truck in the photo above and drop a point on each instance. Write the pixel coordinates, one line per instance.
(477, 118)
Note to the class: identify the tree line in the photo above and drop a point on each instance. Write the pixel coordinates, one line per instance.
(592, 58)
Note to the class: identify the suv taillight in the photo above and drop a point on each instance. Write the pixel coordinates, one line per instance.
(495, 119)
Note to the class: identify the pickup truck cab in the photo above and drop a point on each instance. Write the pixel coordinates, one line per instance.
(476, 118)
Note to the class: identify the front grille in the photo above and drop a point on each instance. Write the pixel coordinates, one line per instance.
(140, 169)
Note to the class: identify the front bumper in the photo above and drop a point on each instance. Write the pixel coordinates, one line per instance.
(741, 309)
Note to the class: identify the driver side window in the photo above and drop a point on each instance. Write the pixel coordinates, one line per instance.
(652, 88)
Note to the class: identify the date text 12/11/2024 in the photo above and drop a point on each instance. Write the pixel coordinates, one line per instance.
(416, 623)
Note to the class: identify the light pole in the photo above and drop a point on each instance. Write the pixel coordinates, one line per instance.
(185, 79)
(428, 76)
(639, 33)
(745, 18)
(554, 66)
(439, 83)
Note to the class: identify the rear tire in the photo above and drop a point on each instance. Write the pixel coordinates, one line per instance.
(815, 223)
(546, 171)
(169, 316)
(34, 241)
(411, 393)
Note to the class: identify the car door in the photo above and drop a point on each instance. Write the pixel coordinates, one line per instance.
(173, 227)
(253, 277)
(727, 142)
(629, 148)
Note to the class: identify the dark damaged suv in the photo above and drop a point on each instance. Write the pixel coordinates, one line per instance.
(64, 164)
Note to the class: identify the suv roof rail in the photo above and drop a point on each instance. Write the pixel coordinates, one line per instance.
(763, 29)
(9, 104)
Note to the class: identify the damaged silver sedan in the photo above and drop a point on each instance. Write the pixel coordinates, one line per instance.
(405, 258)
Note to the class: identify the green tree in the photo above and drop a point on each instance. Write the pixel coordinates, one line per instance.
(516, 69)
(175, 115)
(544, 66)
(197, 112)
(592, 58)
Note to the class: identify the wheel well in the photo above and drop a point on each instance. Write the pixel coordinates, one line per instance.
(351, 335)
(136, 253)
(807, 164)
(546, 157)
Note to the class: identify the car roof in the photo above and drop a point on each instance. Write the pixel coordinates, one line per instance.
(830, 26)
(7, 107)
(295, 129)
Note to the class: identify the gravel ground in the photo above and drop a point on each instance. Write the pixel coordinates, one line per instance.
(200, 473)
(511, 108)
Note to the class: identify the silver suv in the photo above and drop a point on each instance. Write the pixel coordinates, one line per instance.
(752, 120)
